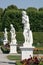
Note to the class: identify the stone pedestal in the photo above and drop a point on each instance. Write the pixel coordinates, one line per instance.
(13, 48)
(26, 52)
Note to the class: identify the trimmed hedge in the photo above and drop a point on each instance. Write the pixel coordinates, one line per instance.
(37, 38)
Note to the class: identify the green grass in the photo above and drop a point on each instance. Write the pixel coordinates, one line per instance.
(13, 57)
(17, 58)
(41, 63)
(18, 63)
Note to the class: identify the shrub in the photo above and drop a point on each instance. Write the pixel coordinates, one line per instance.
(5, 49)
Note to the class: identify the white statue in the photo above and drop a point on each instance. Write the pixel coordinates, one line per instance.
(5, 34)
(5, 41)
(27, 32)
(13, 35)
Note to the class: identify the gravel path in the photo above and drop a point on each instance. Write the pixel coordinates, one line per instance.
(4, 60)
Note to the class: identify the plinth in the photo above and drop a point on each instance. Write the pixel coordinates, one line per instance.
(26, 52)
(13, 48)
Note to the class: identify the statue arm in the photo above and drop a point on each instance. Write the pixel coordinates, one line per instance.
(25, 18)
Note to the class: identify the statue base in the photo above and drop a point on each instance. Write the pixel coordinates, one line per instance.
(13, 48)
(26, 52)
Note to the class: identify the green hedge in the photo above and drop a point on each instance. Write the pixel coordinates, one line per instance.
(14, 15)
(37, 38)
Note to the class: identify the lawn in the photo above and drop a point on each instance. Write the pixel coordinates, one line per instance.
(18, 63)
(17, 58)
(13, 57)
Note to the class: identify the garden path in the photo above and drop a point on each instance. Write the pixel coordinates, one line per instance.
(4, 60)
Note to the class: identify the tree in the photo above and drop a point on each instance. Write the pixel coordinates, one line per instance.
(40, 9)
(12, 7)
(31, 9)
(14, 17)
(1, 12)
(36, 19)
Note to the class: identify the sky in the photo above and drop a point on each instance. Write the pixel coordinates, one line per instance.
(21, 3)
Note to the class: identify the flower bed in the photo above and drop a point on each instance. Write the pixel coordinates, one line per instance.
(31, 61)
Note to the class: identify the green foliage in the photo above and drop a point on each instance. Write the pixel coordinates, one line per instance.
(40, 9)
(13, 15)
(19, 36)
(31, 9)
(12, 7)
(37, 38)
(1, 38)
(1, 12)
(36, 20)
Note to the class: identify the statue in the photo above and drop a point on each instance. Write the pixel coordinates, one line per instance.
(5, 41)
(5, 34)
(13, 35)
(27, 48)
(27, 32)
(13, 44)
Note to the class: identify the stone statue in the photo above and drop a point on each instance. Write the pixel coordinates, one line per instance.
(5, 41)
(5, 34)
(27, 32)
(13, 44)
(27, 48)
(13, 35)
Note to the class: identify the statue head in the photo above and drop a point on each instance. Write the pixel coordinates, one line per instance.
(5, 29)
(11, 25)
(24, 13)
(12, 28)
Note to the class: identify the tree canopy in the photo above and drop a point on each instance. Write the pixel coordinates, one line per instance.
(12, 14)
